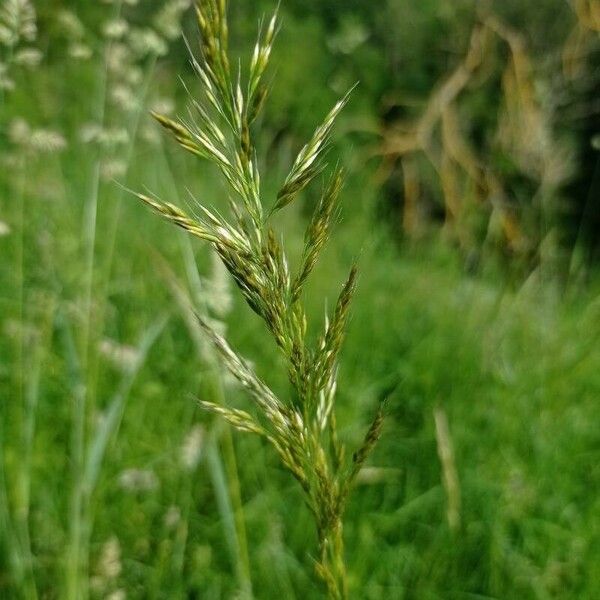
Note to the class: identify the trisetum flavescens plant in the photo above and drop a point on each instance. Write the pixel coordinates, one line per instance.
(18, 33)
(302, 428)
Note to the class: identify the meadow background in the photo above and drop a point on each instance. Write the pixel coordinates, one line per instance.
(472, 206)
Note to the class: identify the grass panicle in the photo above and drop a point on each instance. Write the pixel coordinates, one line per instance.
(302, 428)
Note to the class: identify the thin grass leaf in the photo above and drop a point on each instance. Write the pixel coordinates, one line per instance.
(110, 422)
(224, 506)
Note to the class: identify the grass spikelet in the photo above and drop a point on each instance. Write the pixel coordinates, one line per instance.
(333, 337)
(177, 216)
(318, 231)
(361, 455)
(239, 419)
(309, 163)
(181, 134)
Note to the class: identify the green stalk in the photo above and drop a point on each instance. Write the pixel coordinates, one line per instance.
(332, 568)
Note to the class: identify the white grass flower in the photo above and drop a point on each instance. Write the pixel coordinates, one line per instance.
(163, 105)
(115, 29)
(89, 132)
(149, 135)
(28, 57)
(133, 75)
(109, 564)
(172, 517)
(138, 480)
(351, 34)
(19, 131)
(167, 20)
(17, 22)
(124, 98)
(112, 137)
(191, 449)
(146, 42)
(113, 169)
(6, 83)
(35, 140)
(70, 23)
(4, 229)
(47, 141)
(118, 57)
(117, 595)
(80, 51)
(122, 356)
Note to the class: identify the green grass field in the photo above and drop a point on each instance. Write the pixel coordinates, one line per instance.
(115, 484)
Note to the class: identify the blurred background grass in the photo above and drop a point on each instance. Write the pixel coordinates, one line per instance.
(472, 206)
